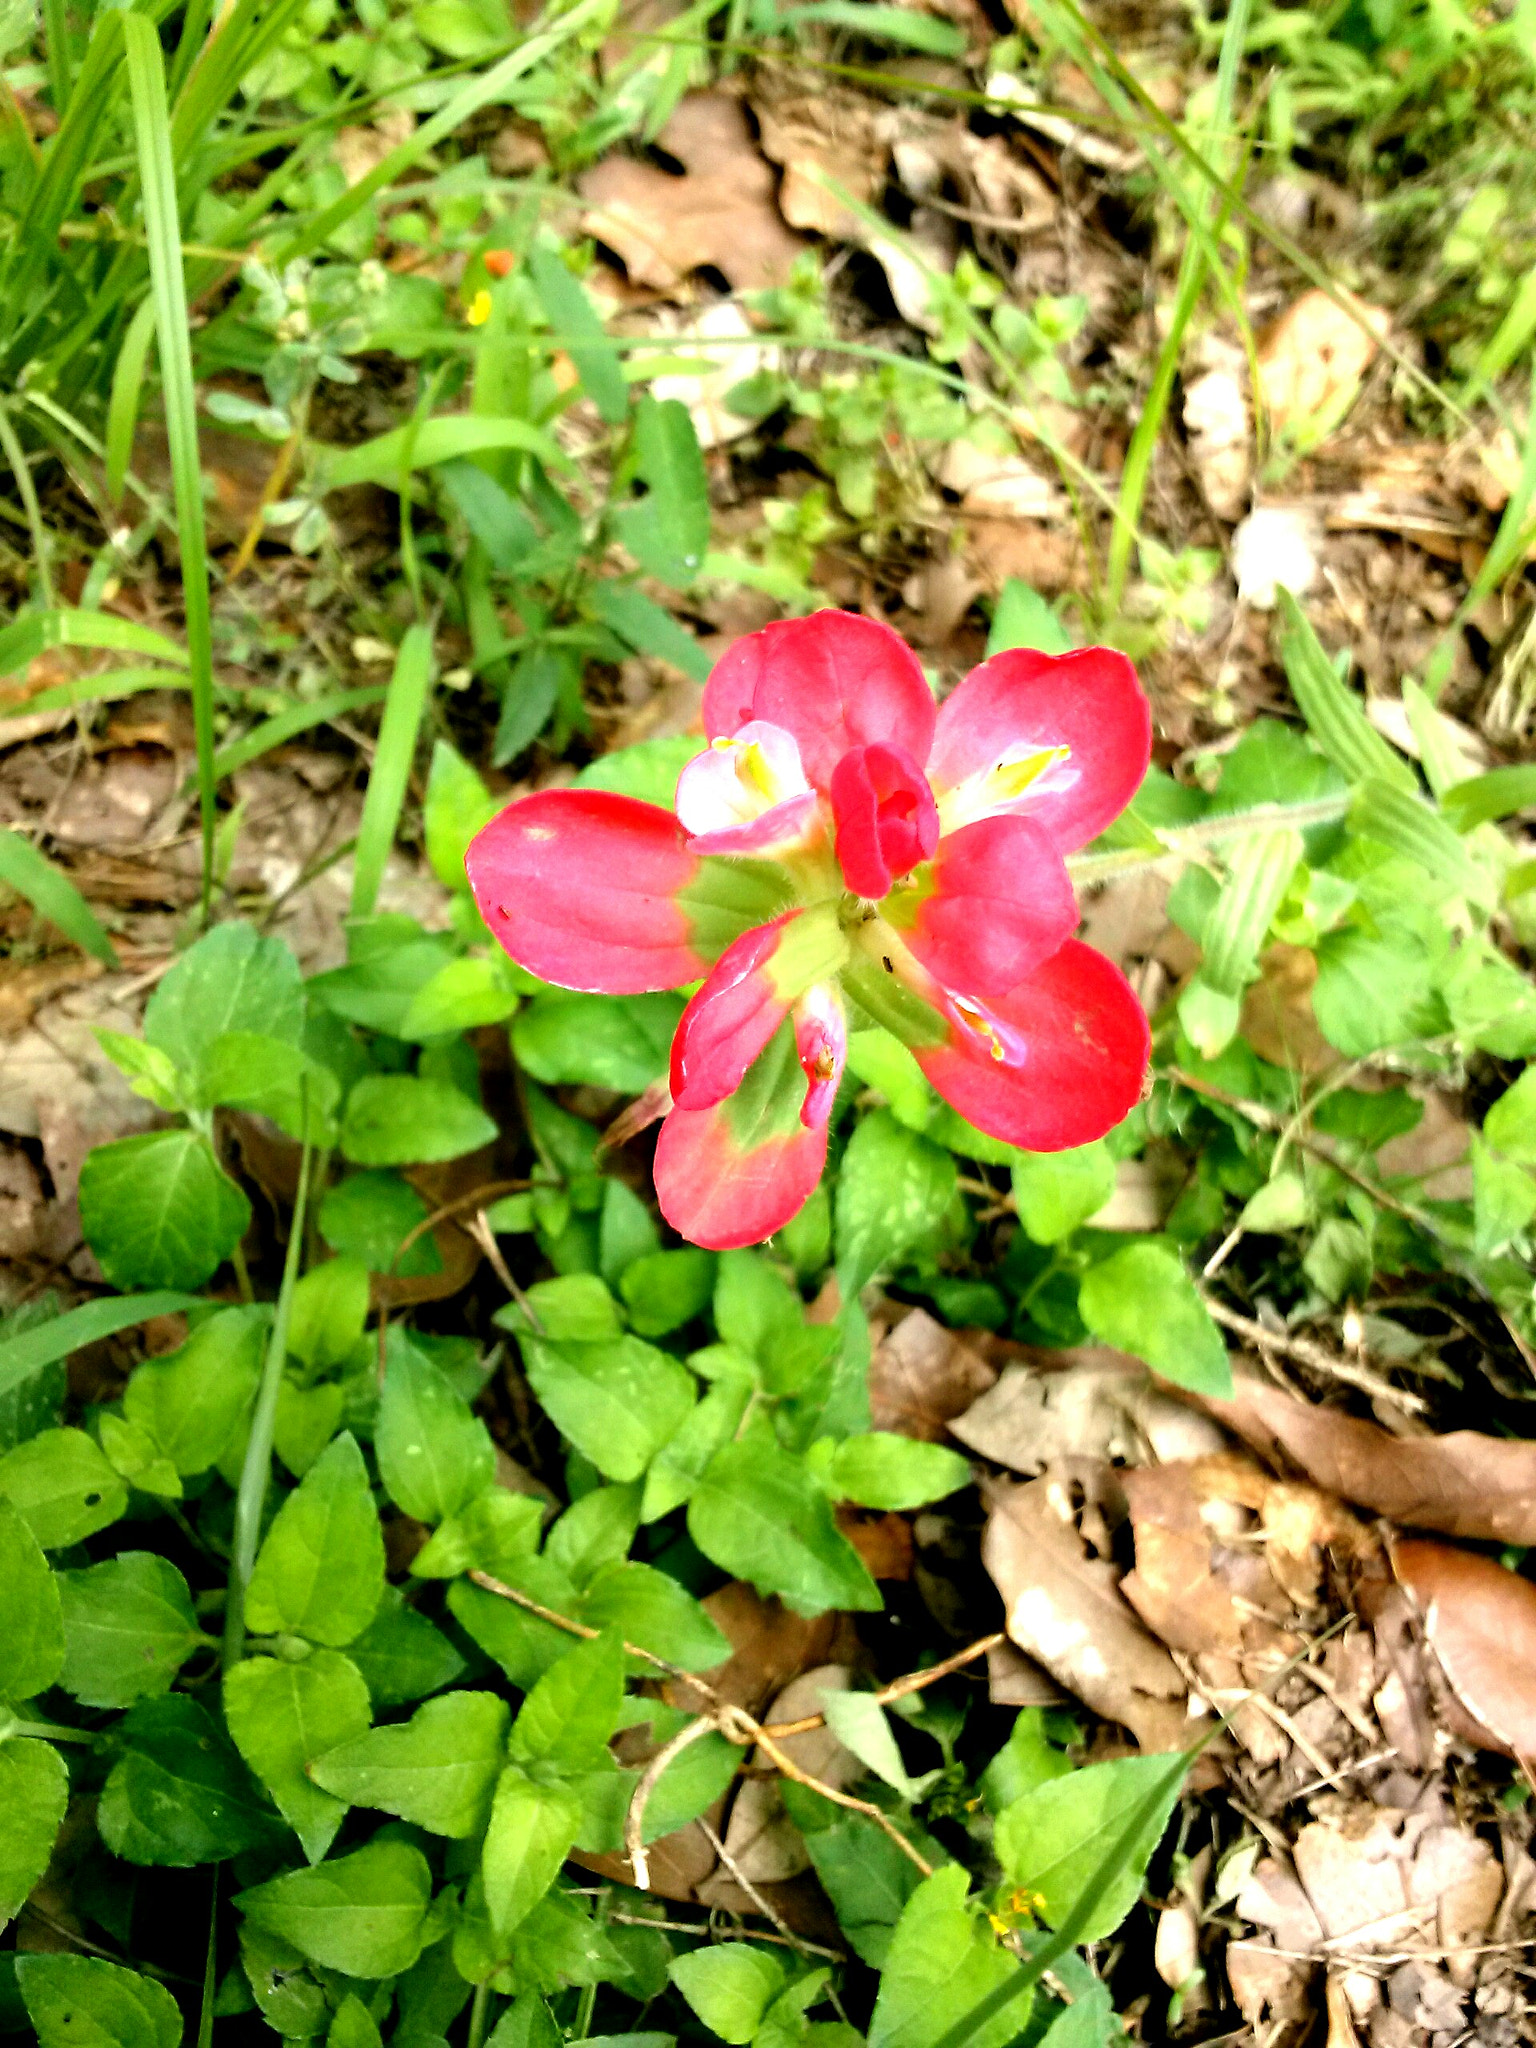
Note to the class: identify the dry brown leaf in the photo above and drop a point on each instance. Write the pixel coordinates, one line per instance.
(24, 986)
(1277, 1017)
(820, 137)
(719, 214)
(1218, 421)
(1480, 1621)
(999, 485)
(1460, 1484)
(1047, 558)
(1065, 1609)
(1090, 1402)
(1176, 1945)
(358, 151)
(1313, 357)
(922, 1376)
(883, 1541)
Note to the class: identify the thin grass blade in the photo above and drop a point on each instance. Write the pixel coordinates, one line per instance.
(391, 766)
(53, 896)
(162, 227)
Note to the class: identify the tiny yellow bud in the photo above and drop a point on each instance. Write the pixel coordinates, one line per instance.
(479, 309)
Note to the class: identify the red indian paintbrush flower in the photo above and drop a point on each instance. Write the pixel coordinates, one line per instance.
(838, 836)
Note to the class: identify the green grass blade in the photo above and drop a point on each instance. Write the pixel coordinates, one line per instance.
(1497, 794)
(104, 688)
(479, 92)
(21, 469)
(285, 725)
(46, 1343)
(391, 766)
(127, 391)
(53, 896)
(27, 637)
(162, 228)
(56, 41)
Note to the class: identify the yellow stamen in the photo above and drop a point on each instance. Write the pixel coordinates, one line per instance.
(982, 1025)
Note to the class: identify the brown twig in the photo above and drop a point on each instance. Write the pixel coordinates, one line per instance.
(480, 1230)
(733, 1722)
(634, 1819)
(1305, 1352)
(764, 1906)
(698, 1928)
(476, 1199)
(899, 1688)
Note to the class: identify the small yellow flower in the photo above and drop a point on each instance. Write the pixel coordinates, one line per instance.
(479, 309)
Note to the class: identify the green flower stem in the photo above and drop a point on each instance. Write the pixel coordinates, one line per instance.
(257, 1468)
(45, 1731)
(1188, 840)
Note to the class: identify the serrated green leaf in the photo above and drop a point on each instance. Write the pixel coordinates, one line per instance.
(437, 1770)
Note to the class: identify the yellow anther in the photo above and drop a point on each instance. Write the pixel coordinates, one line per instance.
(753, 768)
(977, 1020)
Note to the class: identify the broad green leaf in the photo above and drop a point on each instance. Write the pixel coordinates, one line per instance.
(129, 1626)
(283, 1716)
(354, 2026)
(1051, 1841)
(434, 1456)
(664, 1290)
(595, 1531)
(362, 1914)
(437, 1770)
(754, 1303)
(569, 1715)
(53, 896)
(523, 1645)
(943, 1959)
(1371, 993)
(233, 979)
(862, 1871)
(63, 1486)
(668, 531)
(287, 1992)
(159, 1211)
(1492, 1004)
(320, 1570)
(83, 2002)
(617, 1402)
(34, 1791)
(619, 1042)
(880, 1059)
(1142, 1300)
(575, 1306)
(680, 1463)
(457, 805)
(760, 1515)
(1510, 1126)
(251, 1071)
(496, 1528)
(460, 997)
(1333, 713)
(135, 1457)
(401, 1655)
(31, 1625)
(1503, 1198)
(194, 1400)
(151, 1072)
(368, 1216)
(330, 1307)
(1055, 1191)
(582, 335)
(883, 1470)
(1023, 618)
(730, 1987)
(180, 1794)
(859, 1722)
(400, 1119)
(1483, 798)
(307, 1418)
(378, 985)
(533, 1828)
(894, 1187)
(642, 624)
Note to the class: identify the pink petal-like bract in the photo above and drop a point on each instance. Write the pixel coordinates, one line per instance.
(581, 887)
(835, 680)
(1056, 1062)
(734, 1173)
(729, 1020)
(821, 1040)
(887, 820)
(1023, 702)
(996, 902)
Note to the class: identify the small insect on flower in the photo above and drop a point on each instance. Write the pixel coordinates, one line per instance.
(842, 842)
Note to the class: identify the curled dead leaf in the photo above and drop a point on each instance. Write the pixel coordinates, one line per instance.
(1480, 1621)
(922, 1376)
(1460, 1484)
